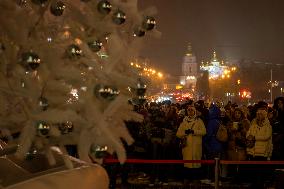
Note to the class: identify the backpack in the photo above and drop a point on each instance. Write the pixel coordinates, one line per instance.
(222, 134)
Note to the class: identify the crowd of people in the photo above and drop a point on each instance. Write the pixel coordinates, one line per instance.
(198, 130)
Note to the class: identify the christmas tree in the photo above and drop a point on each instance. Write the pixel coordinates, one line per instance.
(65, 74)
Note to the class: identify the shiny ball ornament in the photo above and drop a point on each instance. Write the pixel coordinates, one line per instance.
(57, 8)
(30, 60)
(74, 51)
(39, 2)
(113, 93)
(139, 32)
(118, 17)
(42, 128)
(140, 93)
(43, 103)
(98, 152)
(22, 2)
(66, 127)
(104, 7)
(30, 155)
(149, 23)
(95, 46)
(106, 92)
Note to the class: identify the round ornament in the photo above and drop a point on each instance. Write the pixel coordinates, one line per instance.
(149, 23)
(42, 128)
(39, 2)
(118, 17)
(57, 8)
(95, 46)
(30, 155)
(43, 103)
(74, 51)
(140, 93)
(104, 7)
(30, 60)
(106, 92)
(139, 32)
(22, 2)
(66, 127)
(98, 152)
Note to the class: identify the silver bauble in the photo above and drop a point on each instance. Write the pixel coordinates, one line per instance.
(42, 128)
(95, 46)
(104, 7)
(74, 51)
(57, 8)
(119, 17)
(149, 23)
(30, 60)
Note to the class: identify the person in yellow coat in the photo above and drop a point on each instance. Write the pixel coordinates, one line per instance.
(192, 129)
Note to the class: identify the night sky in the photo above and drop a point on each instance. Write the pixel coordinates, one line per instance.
(235, 29)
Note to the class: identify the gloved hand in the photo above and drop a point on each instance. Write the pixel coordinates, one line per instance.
(189, 131)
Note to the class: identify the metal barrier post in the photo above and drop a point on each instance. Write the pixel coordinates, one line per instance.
(216, 173)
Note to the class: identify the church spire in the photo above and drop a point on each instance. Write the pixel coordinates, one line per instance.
(214, 59)
(189, 50)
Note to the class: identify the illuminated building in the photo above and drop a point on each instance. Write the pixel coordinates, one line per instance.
(216, 69)
(189, 70)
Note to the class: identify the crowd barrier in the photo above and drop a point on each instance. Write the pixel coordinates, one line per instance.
(216, 162)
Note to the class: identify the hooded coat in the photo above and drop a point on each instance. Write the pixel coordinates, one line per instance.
(193, 148)
(212, 145)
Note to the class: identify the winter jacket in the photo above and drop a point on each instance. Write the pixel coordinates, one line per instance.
(263, 139)
(193, 148)
(212, 145)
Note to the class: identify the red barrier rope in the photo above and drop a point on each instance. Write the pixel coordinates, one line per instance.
(155, 161)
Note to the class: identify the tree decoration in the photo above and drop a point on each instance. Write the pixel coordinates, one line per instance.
(39, 2)
(30, 155)
(42, 128)
(98, 152)
(140, 92)
(30, 60)
(104, 7)
(139, 32)
(21, 2)
(74, 51)
(95, 45)
(119, 17)
(149, 23)
(57, 8)
(66, 127)
(54, 36)
(43, 103)
(106, 92)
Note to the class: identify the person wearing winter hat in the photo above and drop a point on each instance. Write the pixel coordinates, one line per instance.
(191, 129)
(259, 147)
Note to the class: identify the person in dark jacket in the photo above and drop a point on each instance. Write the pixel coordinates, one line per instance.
(213, 147)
